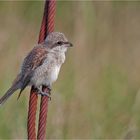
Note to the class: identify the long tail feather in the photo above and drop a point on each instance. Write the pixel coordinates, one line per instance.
(25, 82)
(14, 87)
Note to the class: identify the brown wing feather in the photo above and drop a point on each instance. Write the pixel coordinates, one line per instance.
(33, 60)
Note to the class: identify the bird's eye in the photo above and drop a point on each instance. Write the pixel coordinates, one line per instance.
(59, 42)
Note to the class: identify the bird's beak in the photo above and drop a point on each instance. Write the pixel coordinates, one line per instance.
(69, 44)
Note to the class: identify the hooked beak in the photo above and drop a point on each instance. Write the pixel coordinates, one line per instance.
(69, 44)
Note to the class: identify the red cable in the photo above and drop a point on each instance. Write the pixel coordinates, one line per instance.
(48, 22)
(47, 26)
(32, 115)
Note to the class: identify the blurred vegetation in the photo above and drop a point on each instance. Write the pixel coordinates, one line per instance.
(97, 94)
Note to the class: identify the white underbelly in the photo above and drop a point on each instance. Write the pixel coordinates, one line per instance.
(53, 75)
(45, 78)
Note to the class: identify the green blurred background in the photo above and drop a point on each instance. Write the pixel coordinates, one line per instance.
(97, 94)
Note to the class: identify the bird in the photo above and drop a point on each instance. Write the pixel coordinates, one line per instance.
(41, 66)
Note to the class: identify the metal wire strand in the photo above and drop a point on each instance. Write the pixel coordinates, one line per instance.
(32, 115)
(48, 20)
(47, 26)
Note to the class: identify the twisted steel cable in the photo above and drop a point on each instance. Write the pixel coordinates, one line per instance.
(32, 114)
(47, 26)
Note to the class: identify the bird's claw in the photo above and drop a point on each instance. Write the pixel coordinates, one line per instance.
(48, 93)
(45, 94)
(49, 88)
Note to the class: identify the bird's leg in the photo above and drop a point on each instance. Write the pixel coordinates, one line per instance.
(40, 91)
(49, 88)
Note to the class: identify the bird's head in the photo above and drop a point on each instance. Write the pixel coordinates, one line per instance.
(57, 42)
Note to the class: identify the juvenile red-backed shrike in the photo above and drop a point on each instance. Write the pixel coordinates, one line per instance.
(41, 66)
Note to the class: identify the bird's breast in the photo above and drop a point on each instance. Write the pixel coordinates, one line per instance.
(53, 75)
(48, 72)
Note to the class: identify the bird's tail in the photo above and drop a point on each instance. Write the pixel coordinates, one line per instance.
(16, 85)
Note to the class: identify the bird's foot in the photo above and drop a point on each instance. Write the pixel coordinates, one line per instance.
(49, 88)
(48, 93)
(45, 94)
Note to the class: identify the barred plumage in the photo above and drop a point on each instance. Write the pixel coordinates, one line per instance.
(42, 65)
